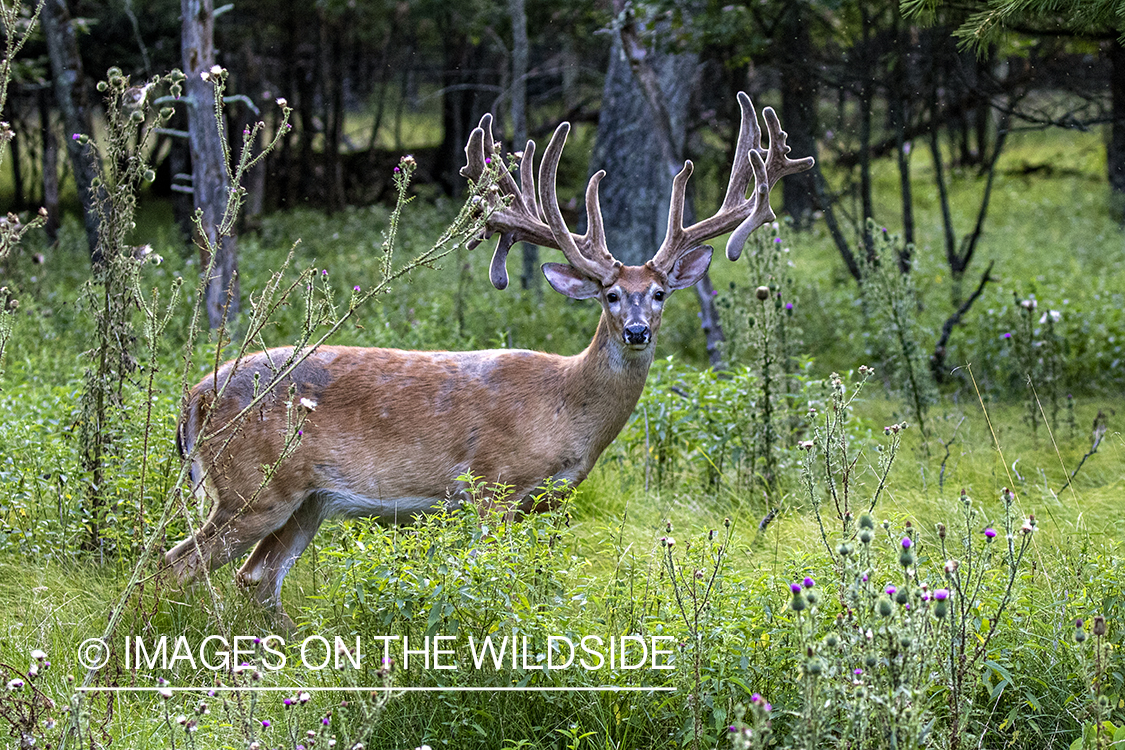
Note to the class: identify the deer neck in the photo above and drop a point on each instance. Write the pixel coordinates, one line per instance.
(605, 382)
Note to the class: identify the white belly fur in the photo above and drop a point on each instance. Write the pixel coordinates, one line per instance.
(392, 510)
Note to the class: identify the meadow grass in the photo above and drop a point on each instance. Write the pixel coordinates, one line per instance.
(600, 563)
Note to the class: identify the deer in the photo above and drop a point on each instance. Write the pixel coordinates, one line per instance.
(391, 434)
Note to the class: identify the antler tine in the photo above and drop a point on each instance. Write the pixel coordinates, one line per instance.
(597, 263)
(749, 139)
(673, 244)
(767, 172)
(738, 212)
(778, 164)
(520, 219)
(527, 180)
(595, 229)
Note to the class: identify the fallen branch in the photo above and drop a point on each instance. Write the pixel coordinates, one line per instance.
(937, 359)
(1101, 426)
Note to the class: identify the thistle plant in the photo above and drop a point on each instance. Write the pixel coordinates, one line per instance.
(17, 29)
(971, 585)
(694, 576)
(112, 290)
(763, 334)
(27, 710)
(831, 458)
(891, 307)
(1094, 660)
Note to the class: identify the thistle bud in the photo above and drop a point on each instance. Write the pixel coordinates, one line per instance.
(1099, 625)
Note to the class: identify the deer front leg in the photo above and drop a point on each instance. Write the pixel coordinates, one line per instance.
(274, 555)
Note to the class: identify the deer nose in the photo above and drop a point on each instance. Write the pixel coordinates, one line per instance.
(637, 333)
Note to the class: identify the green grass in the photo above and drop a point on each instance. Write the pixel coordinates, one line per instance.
(1051, 236)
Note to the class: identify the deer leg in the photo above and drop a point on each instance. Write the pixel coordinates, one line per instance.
(274, 555)
(228, 533)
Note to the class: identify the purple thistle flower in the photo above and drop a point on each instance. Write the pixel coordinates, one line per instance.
(767, 707)
(808, 582)
(1006, 335)
(990, 533)
(265, 723)
(756, 698)
(857, 672)
(795, 588)
(906, 542)
(75, 137)
(287, 702)
(941, 594)
(324, 721)
(355, 288)
(732, 728)
(788, 305)
(777, 240)
(891, 590)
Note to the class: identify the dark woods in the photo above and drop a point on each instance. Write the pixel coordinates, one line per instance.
(367, 80)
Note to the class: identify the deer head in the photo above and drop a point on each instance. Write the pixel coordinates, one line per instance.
(632, 297)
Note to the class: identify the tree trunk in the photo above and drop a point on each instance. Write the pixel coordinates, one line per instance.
(530, 278)
(634, 195)
(73, 102)
(1115, 150)
(209, 181)
(798, 109)
(50, 168)
(641, 142)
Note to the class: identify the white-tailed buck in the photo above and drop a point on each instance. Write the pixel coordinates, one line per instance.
(387, 433)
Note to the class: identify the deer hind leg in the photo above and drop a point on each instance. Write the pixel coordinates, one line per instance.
(274, 555)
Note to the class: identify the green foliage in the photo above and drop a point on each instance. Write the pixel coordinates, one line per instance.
(715, 427)
(890, 307)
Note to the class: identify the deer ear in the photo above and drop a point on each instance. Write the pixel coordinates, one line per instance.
(571, 282)
(690, 267)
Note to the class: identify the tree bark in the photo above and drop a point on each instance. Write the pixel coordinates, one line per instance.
(73, 101)
(1115, 150)
(634, 195)
(50, 168)
(651, 93)
(209, 179)
(530, 278)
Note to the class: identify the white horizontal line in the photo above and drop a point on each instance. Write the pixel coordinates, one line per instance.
(380, 689)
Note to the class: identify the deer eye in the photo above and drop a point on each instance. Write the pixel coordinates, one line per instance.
(659, 296)
(612, 297)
